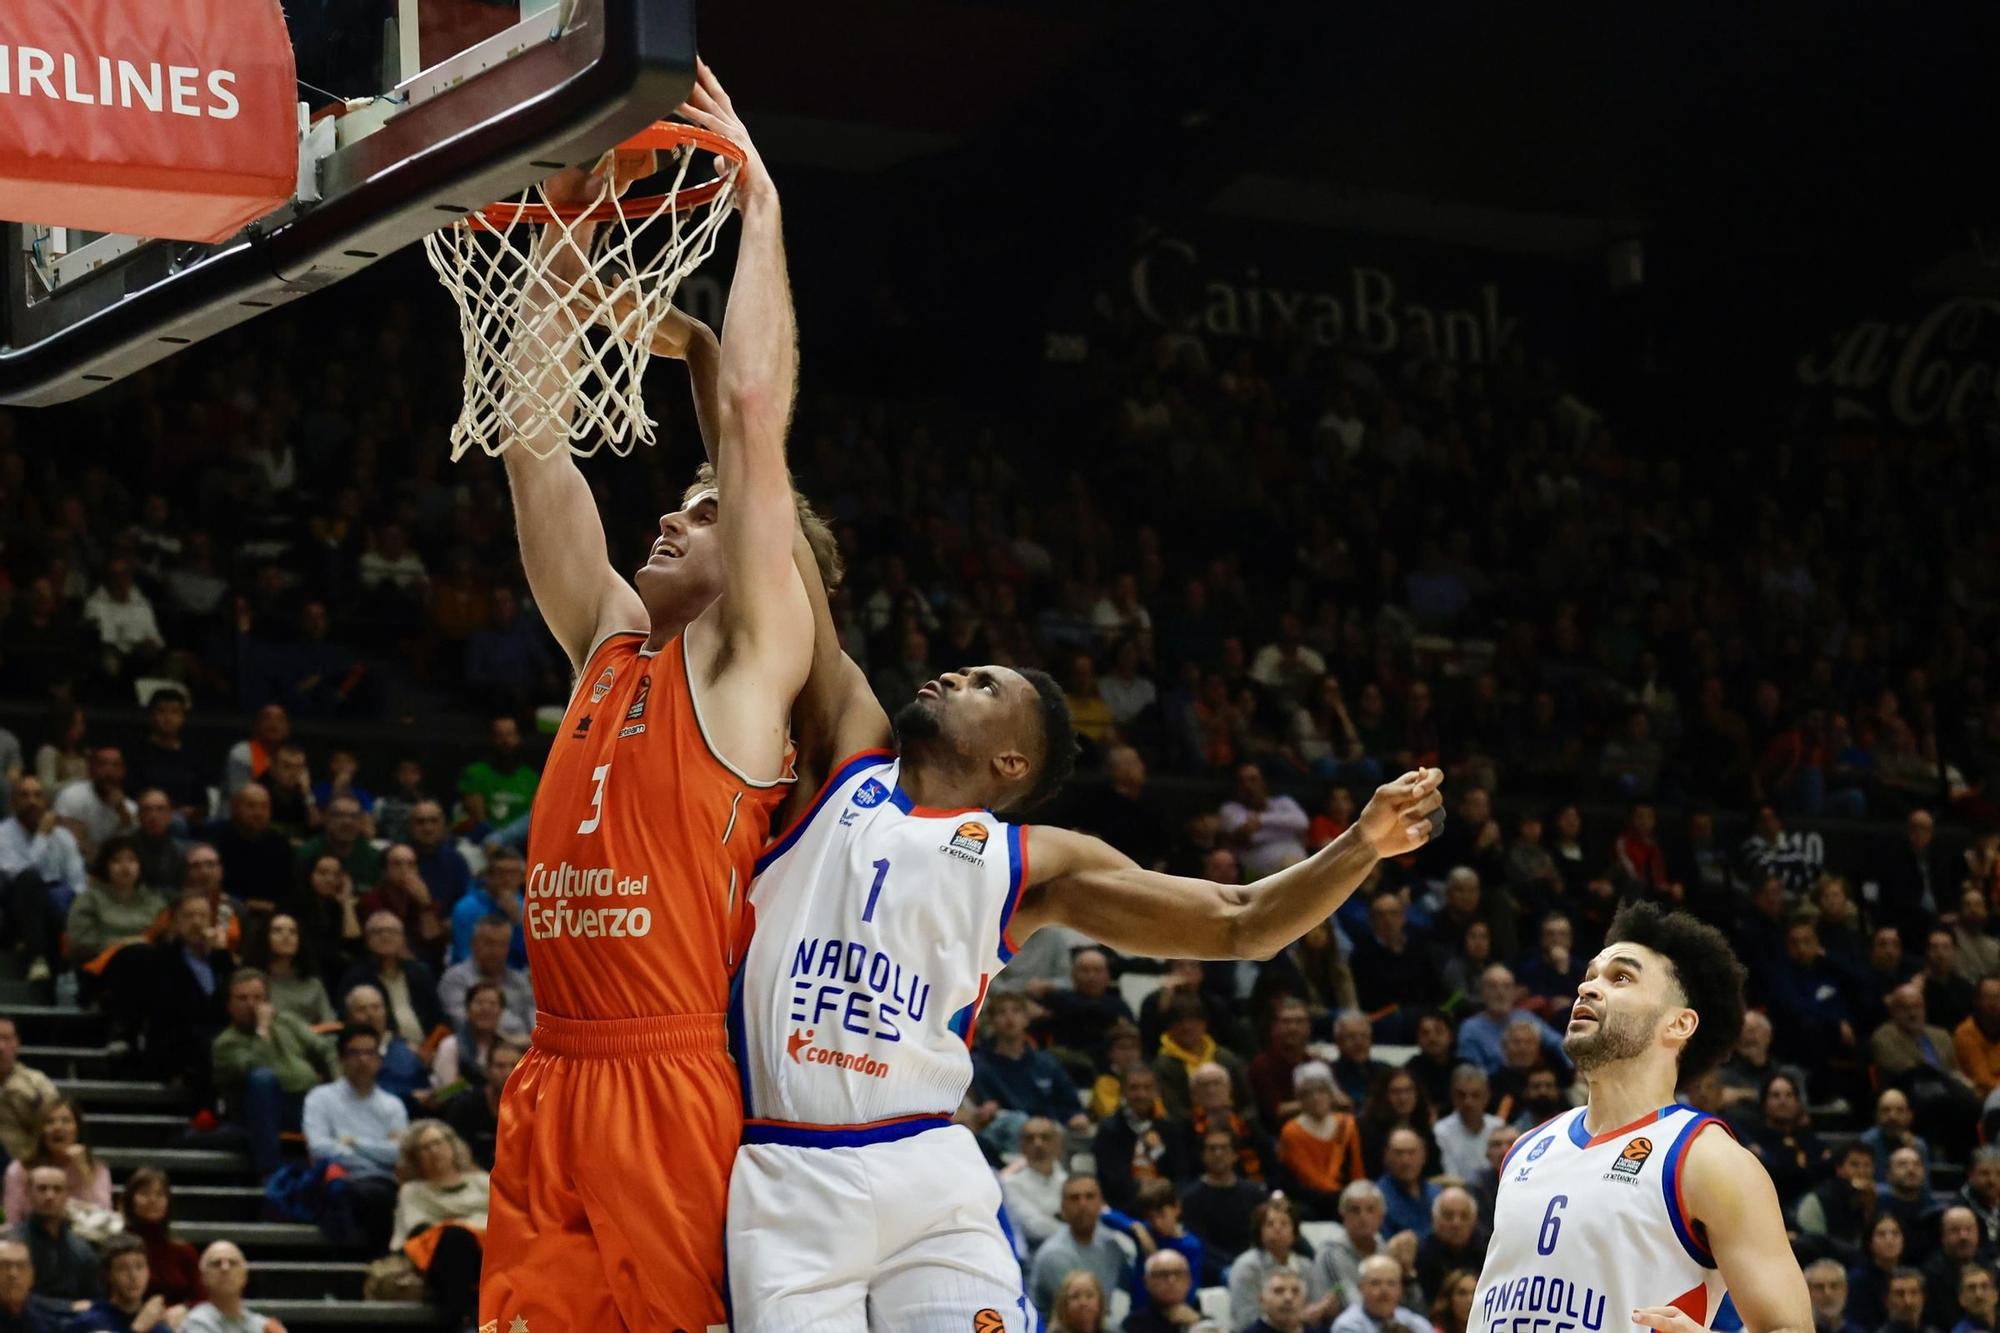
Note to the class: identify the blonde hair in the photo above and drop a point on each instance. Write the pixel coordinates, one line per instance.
(1070, 1279)
(819, 536)
(408, 1164)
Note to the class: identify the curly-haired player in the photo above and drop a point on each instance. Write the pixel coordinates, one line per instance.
(1626, 1211)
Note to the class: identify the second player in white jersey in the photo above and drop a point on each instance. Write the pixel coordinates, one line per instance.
(1636, 1249)
(880, 924)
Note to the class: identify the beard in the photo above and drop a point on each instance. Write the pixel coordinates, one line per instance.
(1619, 1036)
(915, 721)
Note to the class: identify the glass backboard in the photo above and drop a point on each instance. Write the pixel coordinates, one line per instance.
(413, 112)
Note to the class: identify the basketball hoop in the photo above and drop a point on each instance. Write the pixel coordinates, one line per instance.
(492, 260)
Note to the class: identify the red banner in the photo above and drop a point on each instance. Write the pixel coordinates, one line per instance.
(169, 118)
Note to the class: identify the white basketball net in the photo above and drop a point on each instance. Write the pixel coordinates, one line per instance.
(521, 326)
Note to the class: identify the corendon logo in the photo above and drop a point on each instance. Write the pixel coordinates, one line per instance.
(866, 1065)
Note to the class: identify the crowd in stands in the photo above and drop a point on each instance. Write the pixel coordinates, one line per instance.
(343, 1003)
(1275, 576)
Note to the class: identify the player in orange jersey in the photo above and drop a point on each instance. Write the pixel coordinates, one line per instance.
(617, 1129)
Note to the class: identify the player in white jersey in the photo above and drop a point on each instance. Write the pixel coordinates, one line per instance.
(1634, 1210)
(883, 912)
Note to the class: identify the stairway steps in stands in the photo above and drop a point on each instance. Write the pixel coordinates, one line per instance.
(180, 1163)
(297, 1315)
(93, 1093)
(58, 1025)
(61, 1062)
(259, 1237)
(217, 1203)
(136, 1129)
(307, 1280)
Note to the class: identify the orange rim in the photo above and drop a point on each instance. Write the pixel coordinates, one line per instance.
(660, 134)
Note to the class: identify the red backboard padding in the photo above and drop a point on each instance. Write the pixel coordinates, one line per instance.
(170, 118)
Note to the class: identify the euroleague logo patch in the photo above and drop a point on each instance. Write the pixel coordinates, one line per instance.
(601, 688)
(971, 837)
(988, 1321)
(1634, 1157)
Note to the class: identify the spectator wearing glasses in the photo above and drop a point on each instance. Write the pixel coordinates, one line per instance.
(22, 1309)
(407, 986)
(441, 1207)
(487, 965)
(403, 895)
(355, 1125)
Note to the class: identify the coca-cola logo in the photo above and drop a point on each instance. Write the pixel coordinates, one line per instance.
(1936, 370)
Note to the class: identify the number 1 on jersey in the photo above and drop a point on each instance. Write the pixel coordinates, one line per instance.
(597, 775)
(875, 889)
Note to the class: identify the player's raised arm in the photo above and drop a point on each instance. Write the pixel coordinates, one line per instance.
(762, 615)
(1730, 1197)
(562, 541)
(1081, 882)
(836, 713)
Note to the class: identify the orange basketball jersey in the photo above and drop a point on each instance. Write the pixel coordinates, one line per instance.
(641, 847)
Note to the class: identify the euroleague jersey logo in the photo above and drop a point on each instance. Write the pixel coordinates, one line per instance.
(601, 688)
(637, 710)
(968, 841)
(870, 794)
(1633, 1159)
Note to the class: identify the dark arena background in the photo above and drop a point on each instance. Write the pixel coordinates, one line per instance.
(1598, 404)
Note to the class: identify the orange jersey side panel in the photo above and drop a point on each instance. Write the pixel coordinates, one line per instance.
(641, 847)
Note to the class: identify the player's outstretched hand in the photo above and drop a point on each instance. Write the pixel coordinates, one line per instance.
(1666, 1318)
(709, 107)
(1405, 814)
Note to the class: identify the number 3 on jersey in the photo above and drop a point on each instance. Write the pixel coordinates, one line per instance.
(597, 776)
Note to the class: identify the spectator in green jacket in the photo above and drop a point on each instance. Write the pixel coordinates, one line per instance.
(115, 908)
(266, 1061)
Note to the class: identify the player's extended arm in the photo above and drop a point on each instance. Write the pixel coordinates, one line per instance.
(1078, 881)
(1731, 1197)
(762, 614)
(563, 549)
(836, 713)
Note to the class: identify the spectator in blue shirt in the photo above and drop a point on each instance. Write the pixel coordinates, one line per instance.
(497, 894)
(354, 1124)
(1479, 1037)
(1808, 1006)
(1017, 1080)
(439, 863)
(1407, 1197)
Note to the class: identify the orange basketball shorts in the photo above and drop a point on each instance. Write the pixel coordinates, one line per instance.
(611, 1179)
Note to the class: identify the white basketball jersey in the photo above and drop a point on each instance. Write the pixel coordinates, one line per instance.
(879, 924)
(1586, 1230)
